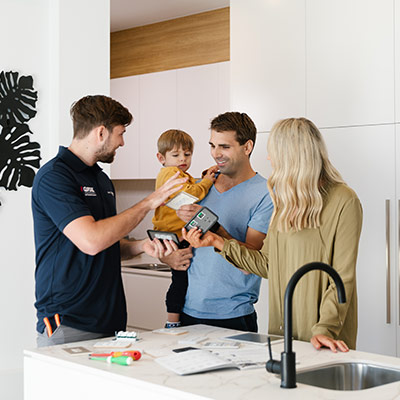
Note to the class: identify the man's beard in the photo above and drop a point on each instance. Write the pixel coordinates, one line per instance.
(104, 155)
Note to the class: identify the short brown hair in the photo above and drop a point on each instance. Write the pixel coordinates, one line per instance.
(238, 122)
(92, 111)
(174, 138)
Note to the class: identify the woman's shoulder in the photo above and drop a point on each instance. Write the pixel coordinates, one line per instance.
(342, 192)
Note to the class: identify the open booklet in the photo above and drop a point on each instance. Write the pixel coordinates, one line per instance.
(195, 361)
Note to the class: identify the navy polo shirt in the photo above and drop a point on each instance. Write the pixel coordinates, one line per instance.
(86, 291)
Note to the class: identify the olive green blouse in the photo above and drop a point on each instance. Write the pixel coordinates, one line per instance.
(315, 304)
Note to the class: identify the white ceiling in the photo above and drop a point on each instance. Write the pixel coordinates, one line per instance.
(130, 13)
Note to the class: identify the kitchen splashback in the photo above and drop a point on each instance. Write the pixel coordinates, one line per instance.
(130, 192)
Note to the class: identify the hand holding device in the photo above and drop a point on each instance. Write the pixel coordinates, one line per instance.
(204, 220)
(162, 235)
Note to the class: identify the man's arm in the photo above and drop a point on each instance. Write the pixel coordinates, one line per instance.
(92, 236)
(154, 248)
(254, 238)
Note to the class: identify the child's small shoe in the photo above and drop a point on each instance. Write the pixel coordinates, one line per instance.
(172, 324)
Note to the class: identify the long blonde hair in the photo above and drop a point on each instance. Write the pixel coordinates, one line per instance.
(301, 174)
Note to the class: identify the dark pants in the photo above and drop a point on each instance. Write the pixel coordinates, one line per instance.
(245, 323)
(176, 294)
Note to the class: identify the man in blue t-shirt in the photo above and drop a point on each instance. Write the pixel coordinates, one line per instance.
(78, 235)
(219, 294)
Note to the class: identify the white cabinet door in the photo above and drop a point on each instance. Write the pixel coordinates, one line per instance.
(365, 156)
(126, 162)
(349, 62)
(145, 299)
(397, 58)
(186, 99)
(198, 102)
(157, 114)
(268, 59)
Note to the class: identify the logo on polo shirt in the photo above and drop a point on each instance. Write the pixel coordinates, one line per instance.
(88, 191)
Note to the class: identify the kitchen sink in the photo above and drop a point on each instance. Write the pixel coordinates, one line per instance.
(151, 267)
(348, 376)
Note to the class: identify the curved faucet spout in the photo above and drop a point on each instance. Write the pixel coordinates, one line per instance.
(287, 365)
(290, 290)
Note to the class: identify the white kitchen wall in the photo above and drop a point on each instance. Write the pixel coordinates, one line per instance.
(64, 45)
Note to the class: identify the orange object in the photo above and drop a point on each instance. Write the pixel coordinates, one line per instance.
(48, 325)
(135, 354)
(57, 319)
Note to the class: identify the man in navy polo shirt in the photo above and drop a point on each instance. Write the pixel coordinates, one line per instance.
(78, 235)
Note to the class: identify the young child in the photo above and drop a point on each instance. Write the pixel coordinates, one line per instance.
(175, 149)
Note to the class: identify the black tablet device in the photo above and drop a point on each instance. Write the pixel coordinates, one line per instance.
(161, 235)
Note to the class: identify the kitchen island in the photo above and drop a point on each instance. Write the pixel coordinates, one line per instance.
(53, 373)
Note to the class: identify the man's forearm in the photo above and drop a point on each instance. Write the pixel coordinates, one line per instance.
(92, 236)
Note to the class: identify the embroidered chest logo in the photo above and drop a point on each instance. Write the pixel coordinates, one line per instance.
(88, 191)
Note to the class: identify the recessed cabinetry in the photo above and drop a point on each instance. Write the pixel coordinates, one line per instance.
(186, 99)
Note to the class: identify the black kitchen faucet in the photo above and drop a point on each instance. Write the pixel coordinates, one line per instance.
(287, 366)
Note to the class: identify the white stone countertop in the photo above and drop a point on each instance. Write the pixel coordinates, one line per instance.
(224, 384)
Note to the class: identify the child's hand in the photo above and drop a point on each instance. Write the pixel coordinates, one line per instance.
(210, 173)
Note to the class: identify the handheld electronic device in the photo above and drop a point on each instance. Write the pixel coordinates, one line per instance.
(181, 199)
(204, 219)
(254, 338)
(161, 235)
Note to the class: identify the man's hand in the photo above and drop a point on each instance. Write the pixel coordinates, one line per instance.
(156, 249)
(188, 211)
(172, 185)
(180, 259)
(319, 341)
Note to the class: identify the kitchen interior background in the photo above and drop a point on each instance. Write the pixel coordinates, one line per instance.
(335, 62)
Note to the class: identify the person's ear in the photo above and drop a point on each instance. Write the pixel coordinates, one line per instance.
(102, 133)
(161, 158)
(248, 147)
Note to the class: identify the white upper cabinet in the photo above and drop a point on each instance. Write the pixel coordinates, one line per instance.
(259, 160)
(186, 99)
(199, 100)
(350, 62)
(268, 59)
(397, 58)
(126, 162)
(157, 114)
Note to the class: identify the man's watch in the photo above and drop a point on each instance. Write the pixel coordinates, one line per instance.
(215, 227)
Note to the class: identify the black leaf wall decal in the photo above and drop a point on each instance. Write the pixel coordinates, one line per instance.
(19, 156)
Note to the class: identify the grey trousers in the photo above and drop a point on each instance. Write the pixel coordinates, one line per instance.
(65, 334)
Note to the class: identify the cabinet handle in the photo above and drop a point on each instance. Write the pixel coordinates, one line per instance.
(388, 319)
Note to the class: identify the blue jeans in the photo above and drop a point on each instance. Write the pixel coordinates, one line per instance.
(65, 334)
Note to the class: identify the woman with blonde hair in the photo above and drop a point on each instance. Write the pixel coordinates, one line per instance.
(317, 217)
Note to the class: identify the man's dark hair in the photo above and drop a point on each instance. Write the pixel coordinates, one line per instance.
(92, 111)
(241, 123)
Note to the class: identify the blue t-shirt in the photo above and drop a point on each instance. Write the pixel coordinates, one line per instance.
(217, 289)
(86, 291)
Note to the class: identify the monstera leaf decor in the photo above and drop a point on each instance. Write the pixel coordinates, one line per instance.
(19, 156)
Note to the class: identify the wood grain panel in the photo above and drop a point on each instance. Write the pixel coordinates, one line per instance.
(183, 42)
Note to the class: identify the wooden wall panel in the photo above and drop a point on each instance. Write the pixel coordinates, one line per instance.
(183, 42)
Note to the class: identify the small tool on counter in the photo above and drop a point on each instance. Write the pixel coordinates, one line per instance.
(48, 324)
(135, 354)
(121, 360)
